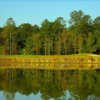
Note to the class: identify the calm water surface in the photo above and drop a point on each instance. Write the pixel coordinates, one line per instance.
(30, 84)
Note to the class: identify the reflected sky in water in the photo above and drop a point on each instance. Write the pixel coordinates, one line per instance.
(22, 97)
(31, 97)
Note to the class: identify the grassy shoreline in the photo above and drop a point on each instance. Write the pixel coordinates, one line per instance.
(80, 61)
(74, 55)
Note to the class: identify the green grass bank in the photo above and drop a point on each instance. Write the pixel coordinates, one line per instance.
(80, 61)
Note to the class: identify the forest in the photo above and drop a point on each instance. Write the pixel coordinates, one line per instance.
(79, 34)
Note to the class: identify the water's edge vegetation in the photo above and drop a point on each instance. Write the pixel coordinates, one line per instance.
(80, 61)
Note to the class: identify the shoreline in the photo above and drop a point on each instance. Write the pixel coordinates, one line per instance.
(62, 62)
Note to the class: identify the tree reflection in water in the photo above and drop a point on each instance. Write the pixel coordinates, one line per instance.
(59, 85)
(9, 96)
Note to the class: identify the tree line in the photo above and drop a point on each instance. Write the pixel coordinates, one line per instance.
(82, 35)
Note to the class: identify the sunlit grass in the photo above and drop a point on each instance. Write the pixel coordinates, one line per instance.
(73, 55)
(75, 61)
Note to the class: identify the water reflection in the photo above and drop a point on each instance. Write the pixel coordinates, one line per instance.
(9, 96)
(58, 85)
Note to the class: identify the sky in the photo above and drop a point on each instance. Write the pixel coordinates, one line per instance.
(19, 96)
(35, 11)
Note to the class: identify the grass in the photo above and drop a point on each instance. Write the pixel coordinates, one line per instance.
(55, 61)
(73, 55)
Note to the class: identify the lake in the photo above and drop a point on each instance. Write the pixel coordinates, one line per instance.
(32, 84)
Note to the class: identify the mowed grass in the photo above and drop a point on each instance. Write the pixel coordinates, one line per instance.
(73, 55)
(75, 61)
(75, 58)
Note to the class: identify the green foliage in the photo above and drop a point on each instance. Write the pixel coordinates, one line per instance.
(52, 37)
(2, 50)
(8, 36)
(29, 46)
